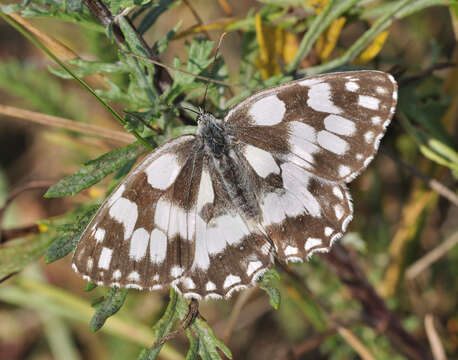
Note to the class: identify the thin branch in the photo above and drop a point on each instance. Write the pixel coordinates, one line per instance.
(14, 233)
(197, 17)
(55, 121)
(10, 234)
(355, 343)
(425, 73)
(434, 339)
(420, 265)
(374, 310)
(236, 311)
(200, 77)
(432, 183)
(351, 339)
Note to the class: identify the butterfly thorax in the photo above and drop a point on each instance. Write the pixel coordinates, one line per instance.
(213, 134)
(224, 158)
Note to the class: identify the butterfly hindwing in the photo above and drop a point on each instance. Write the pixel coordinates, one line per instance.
(330, 125)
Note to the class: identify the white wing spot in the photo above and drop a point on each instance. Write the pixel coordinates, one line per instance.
(368, 102)
(139, 244)
(320, 99)
(99, 235)
(339, 211)
(368, 160)
(162, 172)
(339, 125)
(337, 192)
(105, 258)
(369, 136)
(346, 222)
(381, 90)
(377, 141)
(332, 142)
(376, 120)
(156, 277)
(395, 95)
(301, 140)
(335, 238)
(344, 170)
(210, 286)
(268, 111)
(231, 280)
(351, 86)
(252, 267)
(359, 156)
(261, 161)
(90, 263)
(117, 274)
(188, 283)
(310, 82)
(133, 276)
(312, 242)
(290, 250)
(176, 271)
(328, 231)
(157, 246)
(125, 212)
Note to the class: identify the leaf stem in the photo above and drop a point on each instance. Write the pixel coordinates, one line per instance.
(43, 48)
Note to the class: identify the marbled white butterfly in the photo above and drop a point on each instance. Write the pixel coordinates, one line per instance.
(208, 212)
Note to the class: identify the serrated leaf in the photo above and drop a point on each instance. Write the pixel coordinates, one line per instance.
(69, 235)
(163, 326)
(268, 282)
(208, 342)
(16, 254)
(108, 307)
(94, 171)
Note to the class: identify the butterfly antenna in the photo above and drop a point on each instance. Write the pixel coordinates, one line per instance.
(192, 110)
(213, 68)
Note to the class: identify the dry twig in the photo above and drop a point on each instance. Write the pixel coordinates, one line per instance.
(432, 183)
(50, 120)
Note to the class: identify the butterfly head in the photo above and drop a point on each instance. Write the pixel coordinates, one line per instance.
(212, 131)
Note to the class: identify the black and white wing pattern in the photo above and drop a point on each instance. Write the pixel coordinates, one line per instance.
(318, 134)
(207, 213)
(171, 223)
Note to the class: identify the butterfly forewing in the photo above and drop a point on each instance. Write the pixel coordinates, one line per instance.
(331, 125)
(207, 213)
(135, 239)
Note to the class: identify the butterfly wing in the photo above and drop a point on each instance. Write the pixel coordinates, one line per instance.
(140, 238)
(307, 139)
(230, 250)
(331, 125)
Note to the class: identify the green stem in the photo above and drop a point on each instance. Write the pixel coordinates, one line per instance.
(333, 10)
(43, 48)
(380, 25)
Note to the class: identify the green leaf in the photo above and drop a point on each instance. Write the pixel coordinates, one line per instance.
(116, 5)
(70, 234)
(16, 254)
(157, 9)
(108, 307)
(269, 282)
(94, 171)
(208, 342)
(85, 68)
(163, 326)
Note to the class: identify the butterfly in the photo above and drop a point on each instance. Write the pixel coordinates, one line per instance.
(207, 213)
